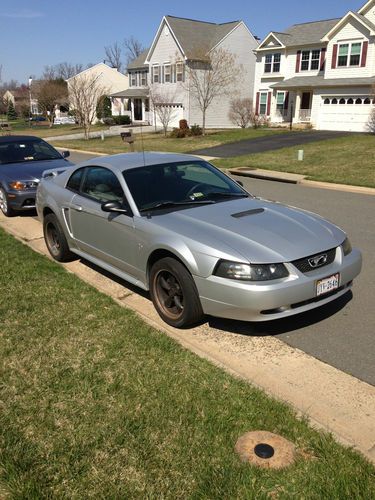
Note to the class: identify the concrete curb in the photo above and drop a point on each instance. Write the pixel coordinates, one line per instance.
(331, 399)
(286, 177)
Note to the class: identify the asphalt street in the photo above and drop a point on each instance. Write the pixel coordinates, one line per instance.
(341, 334)
(268, 143)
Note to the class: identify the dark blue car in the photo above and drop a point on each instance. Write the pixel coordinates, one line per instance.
(23, 159)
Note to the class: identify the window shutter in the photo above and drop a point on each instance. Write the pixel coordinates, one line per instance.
(323, 58)
(334, 56)
(364, 54)
(269, 104)
(161, 70)
(173, 71)
(152, 75)
(298, 61)
(183, 72)
(286, 100)
(257, 104)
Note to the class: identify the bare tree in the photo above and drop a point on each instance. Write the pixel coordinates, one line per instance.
(62, 70)
(133, 49)
(50, 95)
(113, 54)
(162, 105)
(211, 75)
(84, 94)
(241, 112)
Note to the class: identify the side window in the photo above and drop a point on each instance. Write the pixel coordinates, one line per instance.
(74, 181)
(102, 185)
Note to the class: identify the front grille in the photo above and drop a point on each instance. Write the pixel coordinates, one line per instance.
(304, 266)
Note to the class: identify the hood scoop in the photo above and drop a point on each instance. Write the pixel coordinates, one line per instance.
(254, 211)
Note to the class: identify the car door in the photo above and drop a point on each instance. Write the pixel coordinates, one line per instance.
(109, 237)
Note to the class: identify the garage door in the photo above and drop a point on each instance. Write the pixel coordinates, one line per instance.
(345, 113)
(173, 113)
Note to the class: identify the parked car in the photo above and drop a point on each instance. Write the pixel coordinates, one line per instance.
(182, 229)
(64, 120)
(22, 162)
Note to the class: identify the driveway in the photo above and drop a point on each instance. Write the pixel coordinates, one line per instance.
(268, 143)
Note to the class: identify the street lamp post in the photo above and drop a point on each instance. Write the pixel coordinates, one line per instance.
(30, 114)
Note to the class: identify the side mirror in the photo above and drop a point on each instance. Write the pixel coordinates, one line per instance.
(113, 206)
(65, 154)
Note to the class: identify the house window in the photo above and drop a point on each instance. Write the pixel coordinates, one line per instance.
(358, 101)
(263, 103)
(179, 72)
(349, 54)
(272, 63)
(156, 78)
(342, 101)
(133, 80)
(143, 79)
(167, 73)
(280, 100)
(367, 101)
(310, 60)
(327, 101)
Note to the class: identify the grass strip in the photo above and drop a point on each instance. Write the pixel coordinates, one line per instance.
(94, 403)
(345, 160)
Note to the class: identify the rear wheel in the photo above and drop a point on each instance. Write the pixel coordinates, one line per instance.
(55, 239)
(4, 205)
(174, 293)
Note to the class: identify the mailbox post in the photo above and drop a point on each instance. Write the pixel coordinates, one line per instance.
(129, 138)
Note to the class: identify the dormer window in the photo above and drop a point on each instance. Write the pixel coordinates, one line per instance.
(310, 60)
(349, 54)
(272, 63)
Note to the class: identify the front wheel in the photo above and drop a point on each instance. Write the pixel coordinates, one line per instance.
(4, 205)
(55, 239)
(174, 294)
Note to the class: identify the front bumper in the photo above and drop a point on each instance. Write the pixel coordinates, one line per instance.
(21, 200)
(265, 301)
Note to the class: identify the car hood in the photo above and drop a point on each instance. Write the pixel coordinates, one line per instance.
(253, 229)
(26, 171)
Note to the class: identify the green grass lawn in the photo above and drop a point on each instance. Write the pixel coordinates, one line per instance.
(22, 127)
(157, 142)
(346, 160)
(96, 404)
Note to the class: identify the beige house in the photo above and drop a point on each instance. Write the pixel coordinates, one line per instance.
(108, 79)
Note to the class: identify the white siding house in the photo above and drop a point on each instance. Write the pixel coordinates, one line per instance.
(320, 73)
(163, 70)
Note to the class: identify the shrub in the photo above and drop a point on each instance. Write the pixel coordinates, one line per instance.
(179, 133)
(183, 124)
(241, 112)
(122, 120)
(11, 113)
(108, 121)
(196, 130)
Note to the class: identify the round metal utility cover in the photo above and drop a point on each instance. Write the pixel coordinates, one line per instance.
(265, 449)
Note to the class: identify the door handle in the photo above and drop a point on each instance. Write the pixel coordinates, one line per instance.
(77, 207)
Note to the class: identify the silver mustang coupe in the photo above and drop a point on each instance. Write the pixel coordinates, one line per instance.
(177, 226)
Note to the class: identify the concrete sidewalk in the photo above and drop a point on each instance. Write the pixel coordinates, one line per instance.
(111, 132)
(331, 399)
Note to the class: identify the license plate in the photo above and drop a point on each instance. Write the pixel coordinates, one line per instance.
(327, 285)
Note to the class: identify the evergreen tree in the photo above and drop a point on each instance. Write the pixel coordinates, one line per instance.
(12, 113)
(103, 108)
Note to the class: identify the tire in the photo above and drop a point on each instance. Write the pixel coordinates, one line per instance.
(174, 294)
(55, 239)
(4, 205)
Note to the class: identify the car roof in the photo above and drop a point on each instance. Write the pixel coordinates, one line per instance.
(127, 161)
(18, 138)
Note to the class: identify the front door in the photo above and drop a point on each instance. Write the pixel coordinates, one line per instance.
(138, 110)
(306, 100)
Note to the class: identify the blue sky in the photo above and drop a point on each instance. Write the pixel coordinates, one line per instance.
(35, 33)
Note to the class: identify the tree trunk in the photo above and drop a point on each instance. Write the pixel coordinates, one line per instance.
(204, 122)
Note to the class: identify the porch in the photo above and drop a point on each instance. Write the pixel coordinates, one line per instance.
(132, 102)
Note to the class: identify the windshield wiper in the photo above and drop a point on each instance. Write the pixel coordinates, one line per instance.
(167, 204)
(225, 194)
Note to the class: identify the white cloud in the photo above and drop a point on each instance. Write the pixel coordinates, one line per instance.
(22, 14)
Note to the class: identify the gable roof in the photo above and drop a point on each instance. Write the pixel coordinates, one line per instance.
(101, 64)
(192, 36)
(139, 62)
(353, 15)
(366, 7)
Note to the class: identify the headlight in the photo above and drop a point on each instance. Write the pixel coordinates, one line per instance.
(346, 247)
(23, 185)
(250, 272)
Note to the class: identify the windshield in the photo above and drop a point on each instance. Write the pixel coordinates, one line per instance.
(180, 185)
(27, 150)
